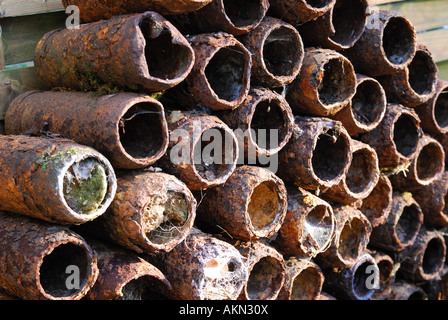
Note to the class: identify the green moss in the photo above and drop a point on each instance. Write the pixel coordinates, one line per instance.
(47, 159)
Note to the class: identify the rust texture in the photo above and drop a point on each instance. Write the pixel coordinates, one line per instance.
(427, 166)
(405, 290)
(277, 53)
(203, 267)
(433, 113)
(266, 268)
(151, 213)
(192, 133)
(35, 256)
(396, 138)
(263, 109)
(304, 280)
(387, 272)
(352, 233)
(339, 28)
(94, 10)
(432, 200)
(140, 52)
(416, 83)
(352, 282)
(129, 129)
(318, 154)
(387, 47)
(402, 225)
(360, 179)
(308, 227)
(377, 205)
(125, 276)
(366, 109)
(297, 12)
(250, 205)
(54, 179)
(325, 84)
(424, 259)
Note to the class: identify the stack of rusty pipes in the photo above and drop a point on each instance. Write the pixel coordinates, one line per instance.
(225, 149)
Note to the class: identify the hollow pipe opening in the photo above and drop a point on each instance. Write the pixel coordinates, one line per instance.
(398, 41)
(350, 238)
(369, 103)
(422, 73)
(319, 225)
(434, 256)
(264, 206)
(306, 285)
(222, 278)
(406, 135)
(244, 13)
(376, 205)
(142, 288)
(441, 108)
(349, 20)
(361, 173)
(360, 280)
(265, 279)
(430, 161)
(386, 268)
(408, 224)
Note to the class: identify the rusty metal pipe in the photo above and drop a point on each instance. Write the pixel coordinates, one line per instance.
(297, 12)
(308, 227)
(339, 28)
(325, 84)
(54, 179)
(129, 129)
(139, 52)
(387, 45)
(249, 206)
(40, 261)
(387, 271)
(402, 225)
(405, 290)
(433, 113)
(377, 205)
(318, 154)
(277, 53)
(366, 109)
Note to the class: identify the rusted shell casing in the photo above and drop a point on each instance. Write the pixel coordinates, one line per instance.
(360, 179)
(377, 205)
(151, 213)
(250, 205)
(304, 280)
(387, 270)
(402, 225)
(54, 179)
(203, 267)
(406, 290)
(352, 234)
(308, 227)
(234, 17)
(129, 129)
(396, 138)
(366, 109)
(416, 83)
(339, 28)
(266, 268)
(387, 45)
(427, 166)
(354, 282)
(325, 84)
(432, 200)
(297, 12)
(94, 10)
(203, 151)
(139, 52)
(220, 78)
(254, 121)
(40, 261)
(277, 53)
(125, 276)
(433, 113)
(318, 154)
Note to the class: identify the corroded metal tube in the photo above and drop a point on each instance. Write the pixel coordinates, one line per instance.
(366, 109)
(297, 12)
(308, 227)
(129, 129)
(304, 280)
(402, 225)
(250, 205)
(54, 179)
(318, 154)
(140, 52)
(325, 84)
(387, 45)
(387, 271)
(377, 205)
(277, 53)
(405, 290)
(433, 113)
(42, 261)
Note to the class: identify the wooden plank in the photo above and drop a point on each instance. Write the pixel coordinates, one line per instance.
(14, 8)
(443, 70)
(436, 41)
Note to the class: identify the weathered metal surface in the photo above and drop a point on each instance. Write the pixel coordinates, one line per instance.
(250, 205)
(387, 274)
(54, 179)
(325, 84)
(139, 52)
(297, 12)
(129, 129)
(405, 290)
(377, 205)
(35, 257)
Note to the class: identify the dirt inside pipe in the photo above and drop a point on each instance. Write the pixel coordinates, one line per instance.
(408, 224)
(350, 238)
(441, 108)
(368, 104)
(434, 256)
(361, 278)
(306, 284)
(264, 205)
(318, 226)
(264, 279)
(361, 173)
(244, 13)
(430, 161)
(349, 19)
(142, 288)
(422, 73)
(406, 135)
(398, 40)
(336, 84)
